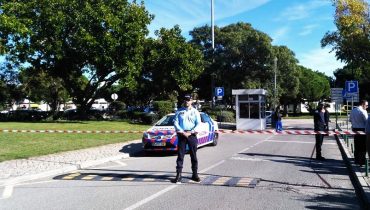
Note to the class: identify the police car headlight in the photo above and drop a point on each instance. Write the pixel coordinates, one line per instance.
(146, 135)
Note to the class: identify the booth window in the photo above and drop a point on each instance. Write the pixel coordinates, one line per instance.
(254, 111)
(249, 110)
(244, 110)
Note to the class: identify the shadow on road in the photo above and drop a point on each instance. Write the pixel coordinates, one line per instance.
(330, 166)
(136, 150)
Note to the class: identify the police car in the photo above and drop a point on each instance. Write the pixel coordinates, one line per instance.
(162, 136)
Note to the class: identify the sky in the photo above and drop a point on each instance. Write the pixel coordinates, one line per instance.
(298, 24)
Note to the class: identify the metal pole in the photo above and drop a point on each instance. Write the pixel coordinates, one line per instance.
(213, 24)
(275, 90)
(347, 115)
(213, 49)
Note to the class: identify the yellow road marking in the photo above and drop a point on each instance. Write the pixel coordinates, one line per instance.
(68, 177)
(107, 178)
(89, 177)
(244, 182)
(127, 178)
(221, 181)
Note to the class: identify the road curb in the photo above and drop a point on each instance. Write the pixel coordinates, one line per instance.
(74, 167)
(361, 187)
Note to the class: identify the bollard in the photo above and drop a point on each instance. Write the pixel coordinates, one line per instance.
(366, 167)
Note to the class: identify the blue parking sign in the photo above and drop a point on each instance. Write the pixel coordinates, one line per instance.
(351, 86)
(219, 91)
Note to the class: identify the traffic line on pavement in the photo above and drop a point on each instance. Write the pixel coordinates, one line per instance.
(298, 142)
(8, 191)
(249, 159)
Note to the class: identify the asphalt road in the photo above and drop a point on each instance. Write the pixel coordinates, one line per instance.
(241, 172)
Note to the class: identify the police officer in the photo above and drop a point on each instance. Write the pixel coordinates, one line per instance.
(321, 123)
(358, 119)
(186, 122)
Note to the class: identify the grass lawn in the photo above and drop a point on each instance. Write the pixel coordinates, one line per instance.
(25, 145)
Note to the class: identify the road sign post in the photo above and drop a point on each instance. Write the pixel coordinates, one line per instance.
(219, 92)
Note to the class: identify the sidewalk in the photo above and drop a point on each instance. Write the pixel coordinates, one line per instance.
(360, 180)
(15, 171)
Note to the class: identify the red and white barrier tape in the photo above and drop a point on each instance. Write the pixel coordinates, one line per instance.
(65, 131)
(271, 132)
(293, 132)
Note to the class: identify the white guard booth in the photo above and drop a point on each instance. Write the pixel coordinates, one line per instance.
(250, 109)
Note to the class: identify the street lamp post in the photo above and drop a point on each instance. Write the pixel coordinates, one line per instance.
(213, 24)
(275, 90)
(213, 75)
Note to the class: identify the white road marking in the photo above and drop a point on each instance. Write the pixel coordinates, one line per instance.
(154, 196)
(247, 159)
(146, 200)
(40, 182)
(8, 191)
(212, 166)
(298, 142)
(249, 147)
(120, 163)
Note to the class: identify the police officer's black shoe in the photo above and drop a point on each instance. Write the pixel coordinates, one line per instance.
(320, 158)
(195, 178)
(178, 178)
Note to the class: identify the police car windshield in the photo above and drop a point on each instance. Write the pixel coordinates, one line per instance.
(166, 121)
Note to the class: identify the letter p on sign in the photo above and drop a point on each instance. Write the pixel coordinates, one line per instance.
(351, 86)
(219, 91)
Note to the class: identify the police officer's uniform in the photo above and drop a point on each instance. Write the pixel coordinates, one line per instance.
(186, 121)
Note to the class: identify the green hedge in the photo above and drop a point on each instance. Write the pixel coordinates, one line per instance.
(221, 115)
(225, 116)
(163, 107)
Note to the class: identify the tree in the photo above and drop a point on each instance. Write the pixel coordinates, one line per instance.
(288, 76)
(101, 40)
(171, 65)
(40, 86)
(242, 58)
(313, 86)
(351, 41)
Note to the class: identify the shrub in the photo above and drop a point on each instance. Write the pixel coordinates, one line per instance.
(163, 107)
(225, 116)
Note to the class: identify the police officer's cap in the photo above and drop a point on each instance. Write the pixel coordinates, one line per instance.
(187, 97)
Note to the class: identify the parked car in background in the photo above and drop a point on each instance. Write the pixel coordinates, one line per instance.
(27, 115)
(92, 114)
(268, 116)
(162, 136)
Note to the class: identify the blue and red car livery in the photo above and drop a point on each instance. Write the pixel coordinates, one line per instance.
(162, 136)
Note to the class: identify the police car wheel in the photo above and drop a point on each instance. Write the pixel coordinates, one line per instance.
(215, 140)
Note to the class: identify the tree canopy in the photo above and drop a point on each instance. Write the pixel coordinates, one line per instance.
(351, 42)
(99, 40)
(242, 57)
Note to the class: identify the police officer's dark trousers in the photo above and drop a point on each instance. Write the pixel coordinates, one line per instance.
(360, 147)
(319, 140)
(192, 142)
